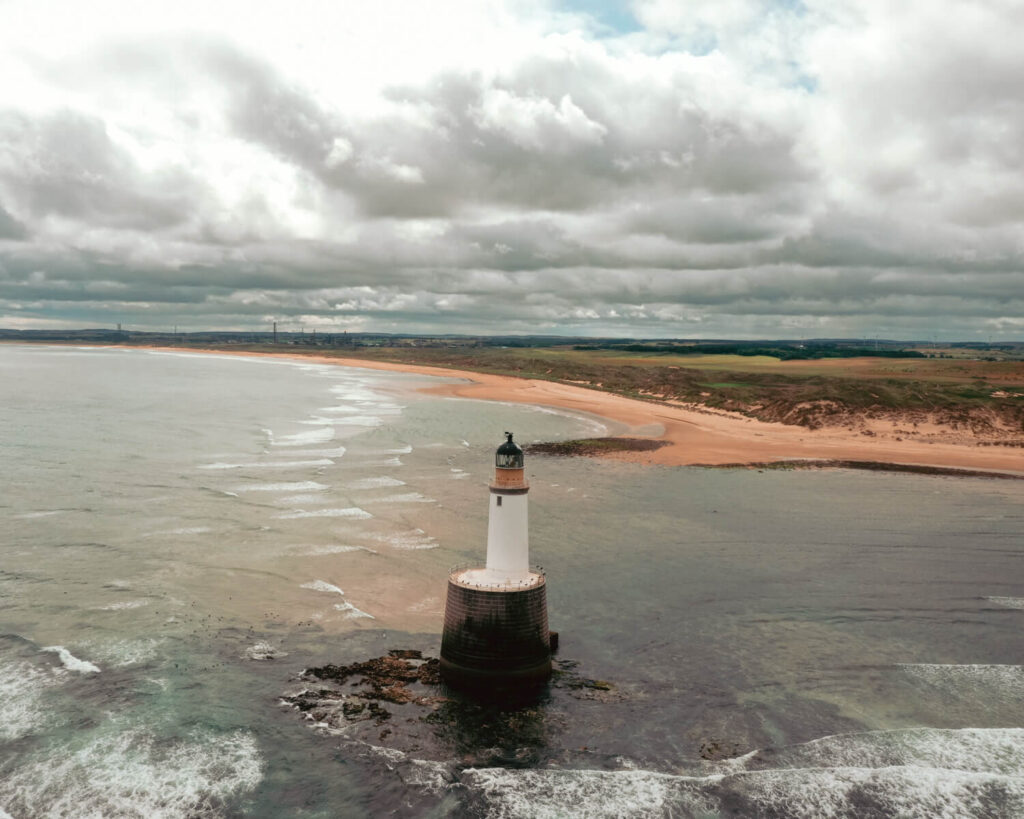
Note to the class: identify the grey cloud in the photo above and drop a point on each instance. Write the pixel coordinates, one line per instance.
(66, 164)
(11, 228)
(719, 220)
(816, 250)
(264, 108)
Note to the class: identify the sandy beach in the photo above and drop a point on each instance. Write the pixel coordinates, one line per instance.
(694, 436)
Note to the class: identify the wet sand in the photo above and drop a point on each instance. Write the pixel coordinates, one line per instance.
(695, 436)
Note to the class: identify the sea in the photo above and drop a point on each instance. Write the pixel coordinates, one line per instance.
(184, 534)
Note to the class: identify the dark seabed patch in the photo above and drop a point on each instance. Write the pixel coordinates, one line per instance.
(594, 446)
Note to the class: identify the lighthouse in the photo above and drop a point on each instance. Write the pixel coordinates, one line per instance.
(496, 634)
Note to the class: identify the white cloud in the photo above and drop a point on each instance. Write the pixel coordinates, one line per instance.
(340, 153)
(537, 123)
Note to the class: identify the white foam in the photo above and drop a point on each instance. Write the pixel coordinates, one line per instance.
(71, 662)
(186, 530)
(348, 512)
(298, 500)
(910, 791)
(341, 409)
(315, 551)
(413, 539)
(21, 698)
(313, 436)
(124, 604)
(354, 393)
(123, 653)
(292, 486)
(322, 586)
(46, 514)
(546, 794)
(269, 464)
(402, 450)
(345, 421)
(1005, 681)
(976, 750)
(406, 497)
(1008, 602)
(264, 651)
(332, 452)
(374, 483)
(131, 772)
(429, 775)
(351, 612)
(914, 773)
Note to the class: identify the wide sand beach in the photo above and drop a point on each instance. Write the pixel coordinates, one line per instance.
(695, 435)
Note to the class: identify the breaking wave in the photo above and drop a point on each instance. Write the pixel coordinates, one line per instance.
(351, 612)
(71, 662)
(406, 497)
(132, 773)
(911, 773)
(269, 464)
(345, 421)
(313, 436)
(347, 512)
(124, 604)
(375, 483)
(315, 551)
(293, 486)
(21, 698)
(408, 540)
(999, 682)
(322, 586)
(1008, 602)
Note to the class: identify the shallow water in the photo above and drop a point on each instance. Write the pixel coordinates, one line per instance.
(839, 643)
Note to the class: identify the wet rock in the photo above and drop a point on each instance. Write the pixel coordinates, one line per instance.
(717, 749)
(397, 703)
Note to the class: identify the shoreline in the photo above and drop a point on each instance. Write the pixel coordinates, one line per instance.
(693, 437)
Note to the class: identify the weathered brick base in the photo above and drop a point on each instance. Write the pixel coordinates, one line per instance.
(495, 639)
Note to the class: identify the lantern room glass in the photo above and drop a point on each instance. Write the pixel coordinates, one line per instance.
(509, 455)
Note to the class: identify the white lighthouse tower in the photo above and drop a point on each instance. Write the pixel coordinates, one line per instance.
(508, 535)
(496, 621)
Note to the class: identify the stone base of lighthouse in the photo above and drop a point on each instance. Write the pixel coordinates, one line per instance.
(496, 634)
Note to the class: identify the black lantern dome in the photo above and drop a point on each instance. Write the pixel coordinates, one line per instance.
(509, 454)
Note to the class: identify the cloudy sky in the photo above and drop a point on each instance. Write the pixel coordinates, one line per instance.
(684, 168)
